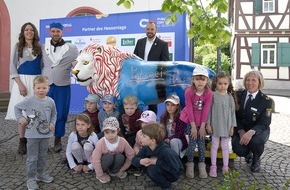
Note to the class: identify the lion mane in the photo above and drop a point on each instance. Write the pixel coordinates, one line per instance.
(107, 63)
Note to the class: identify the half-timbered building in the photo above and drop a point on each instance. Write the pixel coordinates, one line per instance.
(261, 40)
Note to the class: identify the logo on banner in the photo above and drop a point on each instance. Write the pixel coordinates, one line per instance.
(128, 42)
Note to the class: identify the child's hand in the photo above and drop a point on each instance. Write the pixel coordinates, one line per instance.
(153, 161)
(23, 121)
(167, 141)
(202, 132)
(78, 168)
(51, 127)
(231, 131)
(86, 169)
(209, 129)
(194, 132)
(145, 162)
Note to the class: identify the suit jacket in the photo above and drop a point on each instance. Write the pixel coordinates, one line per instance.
(158, 51)
(256, 116)
(59, 74)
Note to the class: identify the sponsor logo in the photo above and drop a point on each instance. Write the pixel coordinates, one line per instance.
(128, 42)
(80, 41)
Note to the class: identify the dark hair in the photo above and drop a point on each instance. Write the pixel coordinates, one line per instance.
(154, 131)
(230, 89)
(36, 47)
(85, 118)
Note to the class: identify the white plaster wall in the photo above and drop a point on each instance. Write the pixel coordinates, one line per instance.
(34, 10)
(247, 7)
(269, 73)
(283, 73)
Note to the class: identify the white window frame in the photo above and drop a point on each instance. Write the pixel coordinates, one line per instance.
(269, 51)
(266, 6)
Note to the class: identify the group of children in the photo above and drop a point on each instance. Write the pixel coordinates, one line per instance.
(108, 142)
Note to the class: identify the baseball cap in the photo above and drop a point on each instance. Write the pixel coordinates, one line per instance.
(56, 25)
(200, 71)
(109, 98)
(148, 116)
(93, 98)
(110, 123)
(173, 99)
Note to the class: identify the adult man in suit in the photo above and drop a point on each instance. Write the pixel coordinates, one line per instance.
(152, 48)
(58, 57)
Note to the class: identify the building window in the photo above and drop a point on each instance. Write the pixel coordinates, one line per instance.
(268, 55)
(268, 6)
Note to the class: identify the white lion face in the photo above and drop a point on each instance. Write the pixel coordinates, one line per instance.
(84, 69)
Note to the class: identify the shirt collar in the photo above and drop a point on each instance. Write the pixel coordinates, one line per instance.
(253, 94)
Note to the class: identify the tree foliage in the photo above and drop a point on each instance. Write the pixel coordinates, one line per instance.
(207, 56)
(206, 26)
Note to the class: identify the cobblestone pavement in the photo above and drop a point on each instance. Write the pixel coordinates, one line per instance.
(274, 173)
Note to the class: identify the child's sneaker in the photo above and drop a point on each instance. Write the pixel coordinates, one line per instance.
(44, 178)
(31, 184)
(213, 171)
(123, 175)
(225, 169)
(138, 173)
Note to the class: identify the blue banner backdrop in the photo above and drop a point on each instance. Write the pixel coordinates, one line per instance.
(121, 30)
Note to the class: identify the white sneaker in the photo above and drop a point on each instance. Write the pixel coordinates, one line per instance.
(44, 178)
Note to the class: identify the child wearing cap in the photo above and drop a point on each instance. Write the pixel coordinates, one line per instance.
(175, 128)
(145, 118)
(129, 123)
(108, 110)
(198, 98)
(113, 154)
(81, 143)
(92, 110)
(161, 164)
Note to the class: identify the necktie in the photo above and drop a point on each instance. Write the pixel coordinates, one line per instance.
(248, 101)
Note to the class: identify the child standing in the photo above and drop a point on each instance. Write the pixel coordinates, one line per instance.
(113, 154)
(128, 121)
(108, 110)
(198, 100)
(92, 110)
(156, 158)
(221, 120)
(81, 144)
(146, 117)
(41, 117)
(174, 126)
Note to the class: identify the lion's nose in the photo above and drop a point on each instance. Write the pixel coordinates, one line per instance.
(75, 72)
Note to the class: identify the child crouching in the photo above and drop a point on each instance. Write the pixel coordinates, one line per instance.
(156, 158)
(113, 154)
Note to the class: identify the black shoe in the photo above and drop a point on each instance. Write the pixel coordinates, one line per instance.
(150, 184)
(249, 158)
(255, 167)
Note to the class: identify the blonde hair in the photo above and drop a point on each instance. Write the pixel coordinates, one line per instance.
(40, 80)
(257, 74)
(85, 118)
(154, 131)
(130, 99)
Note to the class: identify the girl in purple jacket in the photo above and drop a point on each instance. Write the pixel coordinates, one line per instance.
(175, 128)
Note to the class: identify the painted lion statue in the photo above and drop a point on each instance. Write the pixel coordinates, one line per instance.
(108, 70)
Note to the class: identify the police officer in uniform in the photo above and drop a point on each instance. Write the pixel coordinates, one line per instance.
(253, 120)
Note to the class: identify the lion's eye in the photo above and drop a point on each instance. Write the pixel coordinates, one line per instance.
(85, 62)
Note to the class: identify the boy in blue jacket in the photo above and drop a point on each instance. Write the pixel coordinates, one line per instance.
(156, 158)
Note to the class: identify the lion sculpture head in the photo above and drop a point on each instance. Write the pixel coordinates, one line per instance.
(98, 67)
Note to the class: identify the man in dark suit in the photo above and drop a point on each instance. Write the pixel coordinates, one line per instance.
(151, 48)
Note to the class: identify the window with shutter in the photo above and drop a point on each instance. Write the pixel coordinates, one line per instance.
(283, 54)
(255, 55)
